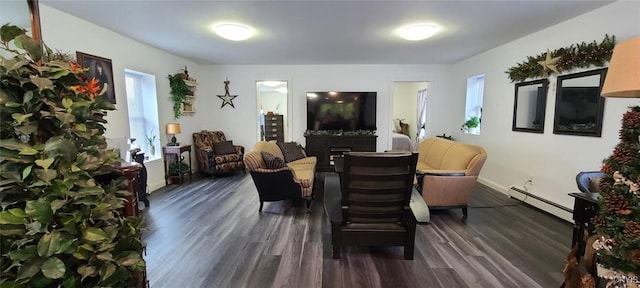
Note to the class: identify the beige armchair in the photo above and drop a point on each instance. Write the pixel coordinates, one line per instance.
(447, 172)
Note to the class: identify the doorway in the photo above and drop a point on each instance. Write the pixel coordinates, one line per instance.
(404, 115)
(272, 110)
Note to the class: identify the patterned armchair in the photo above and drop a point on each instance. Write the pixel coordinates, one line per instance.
(215, 154)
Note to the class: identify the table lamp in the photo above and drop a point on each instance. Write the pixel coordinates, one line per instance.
(618, 220)
(173, 129)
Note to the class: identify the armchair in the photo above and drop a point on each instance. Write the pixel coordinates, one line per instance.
(588, 181)
(216, 155)
(447, 172)
(371, 204)
(292, 180)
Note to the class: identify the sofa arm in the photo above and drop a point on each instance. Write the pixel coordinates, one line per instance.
(239, 149)
(205, 159)
(275, 184)
(447, 190)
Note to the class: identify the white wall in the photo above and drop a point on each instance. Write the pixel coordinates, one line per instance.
(551, 160)
(69, 34)
(239, 123)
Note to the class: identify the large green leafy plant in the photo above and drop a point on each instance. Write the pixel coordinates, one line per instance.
(59, 225)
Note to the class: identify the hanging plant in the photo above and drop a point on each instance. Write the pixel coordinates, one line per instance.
(179, 92)
(581, 55)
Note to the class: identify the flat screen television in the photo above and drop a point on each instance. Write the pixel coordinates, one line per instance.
(348, 111)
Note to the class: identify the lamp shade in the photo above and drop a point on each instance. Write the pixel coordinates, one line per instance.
(623, 76)
(173, 128)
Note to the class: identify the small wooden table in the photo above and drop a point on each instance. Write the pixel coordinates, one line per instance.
(585, 207)
(167, 151)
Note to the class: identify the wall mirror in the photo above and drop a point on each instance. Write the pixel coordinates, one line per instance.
(272, 110)
(529, 106)
(579, 107)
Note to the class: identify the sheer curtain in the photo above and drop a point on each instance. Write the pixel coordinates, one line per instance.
(422, 116)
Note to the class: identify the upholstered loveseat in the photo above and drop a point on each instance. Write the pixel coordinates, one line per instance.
(448, 172)
(215, 154)
(288, 175)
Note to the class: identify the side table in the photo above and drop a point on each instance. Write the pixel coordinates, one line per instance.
(169, 152)
(585, 207)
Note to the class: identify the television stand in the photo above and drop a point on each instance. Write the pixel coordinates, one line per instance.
(326, 147)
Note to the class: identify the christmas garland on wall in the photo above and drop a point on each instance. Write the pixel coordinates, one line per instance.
(581, 55)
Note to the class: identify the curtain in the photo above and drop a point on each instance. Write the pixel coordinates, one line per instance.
(422, 117)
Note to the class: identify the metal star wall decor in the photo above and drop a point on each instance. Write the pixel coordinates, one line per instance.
(227, 99)
(549, 64)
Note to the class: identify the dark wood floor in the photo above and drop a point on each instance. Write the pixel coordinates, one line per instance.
(208, 233)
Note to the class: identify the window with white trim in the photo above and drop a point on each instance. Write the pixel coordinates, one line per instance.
(473, 105)
(143, 112)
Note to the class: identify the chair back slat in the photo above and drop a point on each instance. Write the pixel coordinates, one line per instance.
(376, 187)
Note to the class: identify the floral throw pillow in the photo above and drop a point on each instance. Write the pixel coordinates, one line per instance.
(272, 162)
(291, 151)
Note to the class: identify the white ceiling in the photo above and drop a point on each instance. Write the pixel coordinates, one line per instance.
(325, 32)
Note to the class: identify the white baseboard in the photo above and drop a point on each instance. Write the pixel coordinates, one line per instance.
(553, 210)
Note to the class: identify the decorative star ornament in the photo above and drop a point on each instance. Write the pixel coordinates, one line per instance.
(549, 64)
(227, 99)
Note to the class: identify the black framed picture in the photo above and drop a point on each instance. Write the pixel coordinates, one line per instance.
(99, 68)
(579, 106)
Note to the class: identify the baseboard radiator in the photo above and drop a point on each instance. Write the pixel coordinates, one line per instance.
(513, 189)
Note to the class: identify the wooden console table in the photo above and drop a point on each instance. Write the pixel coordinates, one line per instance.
(168, 152)
(585, 207)
(326, 146)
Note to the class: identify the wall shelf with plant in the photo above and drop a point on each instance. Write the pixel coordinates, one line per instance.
(179, 93)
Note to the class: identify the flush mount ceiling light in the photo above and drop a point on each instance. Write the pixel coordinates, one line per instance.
(233, 32)
(417, 32)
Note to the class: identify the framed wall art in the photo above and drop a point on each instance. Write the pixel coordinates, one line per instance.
(99, 68)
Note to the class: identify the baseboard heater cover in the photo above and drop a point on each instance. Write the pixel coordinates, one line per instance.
(516, 189)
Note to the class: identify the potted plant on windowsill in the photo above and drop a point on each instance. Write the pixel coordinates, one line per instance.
(151, 140)
(471, 125)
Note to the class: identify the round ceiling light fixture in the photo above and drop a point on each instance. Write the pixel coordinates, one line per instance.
(233, 32)
(417, 32)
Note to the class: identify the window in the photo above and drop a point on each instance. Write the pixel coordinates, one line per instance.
(473, 107)
(143, 112)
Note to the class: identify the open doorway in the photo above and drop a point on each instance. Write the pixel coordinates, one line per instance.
(405, 113)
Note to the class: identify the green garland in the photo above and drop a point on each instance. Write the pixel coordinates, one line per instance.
(581, 55)
(339, 133)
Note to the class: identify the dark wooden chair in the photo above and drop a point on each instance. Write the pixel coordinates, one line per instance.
(371, 205)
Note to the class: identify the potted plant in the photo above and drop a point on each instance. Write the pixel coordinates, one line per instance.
(471, 125)
(59, 226)
(151, 140)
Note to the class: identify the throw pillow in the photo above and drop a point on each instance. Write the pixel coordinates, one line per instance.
(291, 151)
(271, 161)
(224, 147)
(594, 184)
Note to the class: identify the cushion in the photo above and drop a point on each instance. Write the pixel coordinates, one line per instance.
(291, 151)
(224, 147)
(272, 162)
(594, 184)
